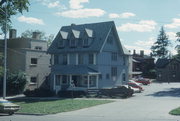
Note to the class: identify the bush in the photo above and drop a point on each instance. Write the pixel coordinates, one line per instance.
(71, 93)
(40, 92)
(15, 83)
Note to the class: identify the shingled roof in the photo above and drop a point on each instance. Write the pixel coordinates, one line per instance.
(98, 32)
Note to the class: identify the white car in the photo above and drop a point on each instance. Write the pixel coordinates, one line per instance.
(8, 107)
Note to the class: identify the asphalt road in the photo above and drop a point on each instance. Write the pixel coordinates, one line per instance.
(151, 105)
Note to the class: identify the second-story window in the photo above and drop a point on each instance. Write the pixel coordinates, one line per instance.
(56, 59)
(34, 61)
(38, 48)
(65, 59)
(92, 58)
(80, 59)
(114, 56)
(124, 60)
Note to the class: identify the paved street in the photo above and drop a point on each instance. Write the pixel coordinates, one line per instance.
(151, 105)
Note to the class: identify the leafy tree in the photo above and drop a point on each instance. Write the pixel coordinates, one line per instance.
(1, 68)
(11, 7)
(159, 49)
(29, 34)
(16, 83)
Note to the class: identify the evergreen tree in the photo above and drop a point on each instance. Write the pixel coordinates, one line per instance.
(159, 49)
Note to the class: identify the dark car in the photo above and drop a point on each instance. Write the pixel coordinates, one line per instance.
(8, 107)
(120, 91)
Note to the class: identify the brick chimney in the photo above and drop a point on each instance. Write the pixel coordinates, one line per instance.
(36, 35)
(142, 53)
(12, 33)
(134, 52)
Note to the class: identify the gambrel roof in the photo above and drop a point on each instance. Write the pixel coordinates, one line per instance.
(98, 32)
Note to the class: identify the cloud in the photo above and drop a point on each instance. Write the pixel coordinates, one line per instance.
(146, 43)
(123, 15)
(1, 36)
(52, 4)
(76, 4)
(172, 35)
(30, 20)
(142, 26)
(82, 13)
(175, 24)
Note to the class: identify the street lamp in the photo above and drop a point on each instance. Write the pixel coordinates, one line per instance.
(5, 54)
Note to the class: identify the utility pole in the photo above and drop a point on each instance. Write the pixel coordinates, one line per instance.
(5, 54)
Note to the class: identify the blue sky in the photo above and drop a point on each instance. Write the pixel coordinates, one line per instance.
(138, 21)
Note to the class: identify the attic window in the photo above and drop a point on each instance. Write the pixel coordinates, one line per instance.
(73, 42)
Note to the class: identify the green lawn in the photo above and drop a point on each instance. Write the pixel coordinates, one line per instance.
(55, 106)
(175, 111)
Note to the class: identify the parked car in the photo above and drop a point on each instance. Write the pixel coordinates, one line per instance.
(143, 81)
(120, 91)
(8, 107)
(133, 81)
(135, 85)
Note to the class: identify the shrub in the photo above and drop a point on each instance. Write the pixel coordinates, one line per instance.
(40, 92)
(15, 83)
(71, 93)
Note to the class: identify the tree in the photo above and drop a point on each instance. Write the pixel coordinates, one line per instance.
(11, 7)
(159, 49)
(1, 68)
(29, 34)
(177, 56)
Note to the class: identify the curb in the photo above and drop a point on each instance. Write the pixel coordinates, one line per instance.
(34, 114)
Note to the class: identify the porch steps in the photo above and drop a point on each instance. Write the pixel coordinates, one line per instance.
(92, 92)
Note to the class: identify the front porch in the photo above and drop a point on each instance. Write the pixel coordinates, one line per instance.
(75, 82)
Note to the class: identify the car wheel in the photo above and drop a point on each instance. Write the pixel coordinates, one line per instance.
(11, 113)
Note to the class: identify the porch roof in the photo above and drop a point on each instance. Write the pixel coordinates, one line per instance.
(78, 70)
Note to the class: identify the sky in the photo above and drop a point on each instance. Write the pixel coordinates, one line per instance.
(137, 21)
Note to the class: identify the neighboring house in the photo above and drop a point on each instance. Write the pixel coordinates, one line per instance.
(143, 63)
(28, 55)
(168, 70)
(89, 55)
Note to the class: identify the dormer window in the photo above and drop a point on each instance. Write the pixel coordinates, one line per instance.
(74, 37)
(87, 37)
(72, 42)
(86, 42)
(62, 38)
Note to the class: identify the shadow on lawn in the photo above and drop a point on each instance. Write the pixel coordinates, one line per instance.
(172, 92)
(34, 99)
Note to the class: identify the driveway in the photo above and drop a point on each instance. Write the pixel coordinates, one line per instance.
(151, 105)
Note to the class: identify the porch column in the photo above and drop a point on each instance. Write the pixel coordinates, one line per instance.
(70, 79)
(97, 80)
(88, 81)
(54, 82)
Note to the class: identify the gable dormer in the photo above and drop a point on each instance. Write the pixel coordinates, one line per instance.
(62, 39)
(73, 38)
(88, 37)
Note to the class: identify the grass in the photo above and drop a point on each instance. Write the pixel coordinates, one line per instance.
(175, 111)
(55, 106)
